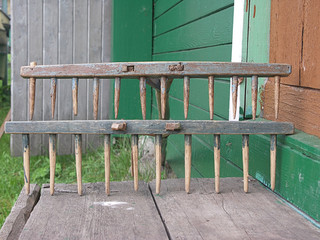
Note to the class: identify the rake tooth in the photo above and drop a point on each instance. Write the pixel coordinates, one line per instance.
(234, 94)
(75, 84)
(187, 160)
(143, 93)
(95, 97)
(26, 161)
(117, 83)
(52, 156)
(32, 92)
(254, 94)
(217, 162)
(107, 162)
(78, 153)
(163, 96)
(273, 159)
(245, 160)
(211, 95)
(158, 143)
(53, 94)
(186, 93)
(276, 96)
(135, 157)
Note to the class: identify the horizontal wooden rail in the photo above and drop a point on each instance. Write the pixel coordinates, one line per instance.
(156, 69)
(148, 127)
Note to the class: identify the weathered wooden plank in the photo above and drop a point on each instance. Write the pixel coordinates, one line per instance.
(156, 69)
(149, 127)
(122, 215)
(229, 215)
(26, 161)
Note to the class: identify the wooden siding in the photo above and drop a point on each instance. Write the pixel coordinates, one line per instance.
(57, 32)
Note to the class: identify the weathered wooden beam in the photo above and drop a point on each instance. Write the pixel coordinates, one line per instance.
(135, 157)
(52, 157)
(245, 160)
(95, 98)
(156, 69)
(107, 162)
(158, 143)
(186, 93)
(216, 149)
(117, 83)
(26, 161)
(187, 161)
(163, 96)
(53, 94)
(148, 127)
(143, 94)
(276, 96)
(234, 95)
(32, 92)
(211, 96)
(254, 95)
(273, 160)
(78, 153)
(75, 83)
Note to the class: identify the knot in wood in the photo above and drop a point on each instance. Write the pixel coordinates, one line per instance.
(119, 126)
(178, 67)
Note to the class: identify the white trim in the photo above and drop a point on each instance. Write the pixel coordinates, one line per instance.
(237, 36)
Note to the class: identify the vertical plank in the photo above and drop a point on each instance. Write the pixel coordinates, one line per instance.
(276, 96)
(254, 95)
(211, 96)
(95, 94)
(52, 157)
(187, 161)
(217, 162)
(273, 160)
(75, 88)
(50, 56)
(18, 85)
(35, 54)
(245, 160)
(107, 162)
(143, 97)
(135, 157)
(78, 155)
(53, 94)
(186, 95)
(158, 144)
(64, 98)
(26, 161)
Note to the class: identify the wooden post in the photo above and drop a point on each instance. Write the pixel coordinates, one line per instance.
(163, 96)
(135, 157)
(78, 153)
(217, 162)
(107, 162)
(158, 143)
(158, 98)
(75, 83)
(245, 160)
(143, 93)
(117, 83)
(26, 161)
(254, 94)
(187, 160)
(186, 93)
(52, 156)
(95, 97)
(234, 94)
(53, 94)
(276, 96)
(32, 93)
(273, 159)
(211, 95)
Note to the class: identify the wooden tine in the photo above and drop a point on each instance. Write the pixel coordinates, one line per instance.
(186, 93)
(75, 84)
(158, 98)
(117, 83)
(95, 97)
(245, 160)
(187, 160)
(234, 94)
(158, 143)
(143, 93)
(254, 94)
(32, 93)
(273, 159)
(53, 94)
(26, 161)
(135, 156)
(217, 162)
(107, 162)
(78, 153)
(211, 95)
(163, 96)
(276, 96)
(52, 156)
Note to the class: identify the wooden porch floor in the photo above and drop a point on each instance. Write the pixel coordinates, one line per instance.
(125, 214)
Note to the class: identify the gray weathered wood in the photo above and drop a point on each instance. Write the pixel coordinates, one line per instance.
(95, 215)
(20, 212)
(149, 127)
(156, 69)
(203, 214)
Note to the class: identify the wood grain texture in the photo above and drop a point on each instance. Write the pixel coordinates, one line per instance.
(117, 83)
(135, 158)
(78, 155)
(143, 95)
(273, 160)
(276, 96)
(158, 153)
(234, 95)
(205, 215)
(26, 161)
(75, 84)
(254, 96)
(298, 105)
(164, 93)
(187, 161)
(211, 96)
(32, 92)
(95, 98)
(216, 150)
(107, 163)
(245, 162)
(52, 157)
(53, 94)
(95, 215)
(186, 94)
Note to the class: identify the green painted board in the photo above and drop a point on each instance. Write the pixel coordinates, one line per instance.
(161, 6)
(213, 30)
(186, 12)
(131, 41)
